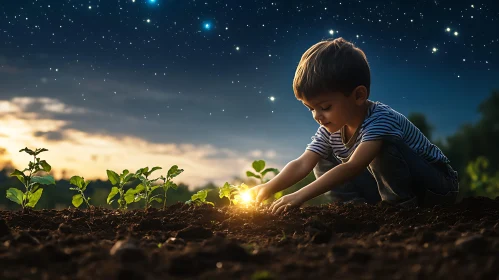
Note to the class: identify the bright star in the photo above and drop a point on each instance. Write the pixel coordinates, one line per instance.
(434, 50)
(148, 20)
(448, 29)
(272, 98)
(455, 33)
(237, 48)
(207, 26)
(331, 32)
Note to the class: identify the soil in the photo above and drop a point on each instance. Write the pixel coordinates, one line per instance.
(352, 241)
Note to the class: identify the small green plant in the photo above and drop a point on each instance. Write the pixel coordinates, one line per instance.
(81, 186)
(234, 193)
(262, 275)
(118, 182)
(261, 171)
(32, 183)
(199, 198)
(483, 182)
(145, 189)
(167, 181)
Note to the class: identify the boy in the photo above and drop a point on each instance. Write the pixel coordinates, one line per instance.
(363, 150)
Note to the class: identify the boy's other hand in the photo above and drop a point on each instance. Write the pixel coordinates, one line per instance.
(285, 203)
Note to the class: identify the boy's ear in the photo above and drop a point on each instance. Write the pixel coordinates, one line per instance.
(360, 94)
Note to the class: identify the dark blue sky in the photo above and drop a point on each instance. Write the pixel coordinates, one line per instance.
(203, 72)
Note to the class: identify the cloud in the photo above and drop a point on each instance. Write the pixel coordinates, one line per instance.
(29, 122)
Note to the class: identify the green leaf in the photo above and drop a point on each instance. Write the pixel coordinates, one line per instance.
(139, 188)
(210, 203)
(114, 191)
(174, 171)
(15, 195)
(37, 151)
(29, 151)
(200, 195)
(174, 186)
(77, 181)
(155, 187)
(158, 199)
(258, 165)
(128, 177)
(45, 166)
(274, 170)
(113, 177)
(251, 174)
(33, 198)
(125, 172)
(19, 175)
(278, 195)
(153, 169)
(43, 180)
(77, 200)
(225, 191)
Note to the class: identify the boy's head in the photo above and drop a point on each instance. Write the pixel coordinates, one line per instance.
(331, 66)
(333, 80)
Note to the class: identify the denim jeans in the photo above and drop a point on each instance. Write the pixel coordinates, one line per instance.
(397, 175)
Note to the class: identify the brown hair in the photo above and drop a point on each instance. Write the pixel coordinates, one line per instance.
(331, 66)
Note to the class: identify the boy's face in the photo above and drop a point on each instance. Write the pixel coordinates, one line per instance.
(332, 110)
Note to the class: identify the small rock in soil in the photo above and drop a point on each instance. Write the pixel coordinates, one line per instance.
(65, 229)
(194, 232)
(24, 237)
(127, 251)
(472, 244)
(175, 241)
(4, 228)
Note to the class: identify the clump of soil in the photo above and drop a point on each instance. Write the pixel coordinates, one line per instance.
(319, 242)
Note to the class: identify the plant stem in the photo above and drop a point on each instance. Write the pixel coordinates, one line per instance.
(164, 201)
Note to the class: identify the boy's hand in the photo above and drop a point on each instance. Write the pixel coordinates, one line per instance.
(285, 203)
(261, 192)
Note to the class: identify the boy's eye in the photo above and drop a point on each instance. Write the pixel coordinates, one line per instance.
(326, 108)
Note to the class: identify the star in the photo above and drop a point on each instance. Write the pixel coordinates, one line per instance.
(207, 26)
(447, 29)
(272, 98)
(331, 32)
(455, 33)
(434, 50)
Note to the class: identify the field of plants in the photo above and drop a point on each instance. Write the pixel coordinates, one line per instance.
(196, 239)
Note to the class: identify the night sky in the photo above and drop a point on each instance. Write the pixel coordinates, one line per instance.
(207, 85)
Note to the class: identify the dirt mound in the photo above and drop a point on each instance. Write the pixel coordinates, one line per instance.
(345, 241)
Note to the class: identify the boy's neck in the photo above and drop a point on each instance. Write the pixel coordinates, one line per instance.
(358, 118)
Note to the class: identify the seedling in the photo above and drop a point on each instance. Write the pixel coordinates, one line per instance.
(235, 194)
(258, 166)
(145, 189)
(81, 186)
(32, 183)
(199, 198)
(167, 183)
(118, 182)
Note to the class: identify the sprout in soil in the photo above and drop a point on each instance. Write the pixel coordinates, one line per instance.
(261, 171)
(32, 183)
(118, 182)
(81, 186)
(167, 181)
(199, 198)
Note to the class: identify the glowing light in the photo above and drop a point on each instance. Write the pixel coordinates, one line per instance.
(148, 20)
(237, 48)
(207, 25)
(331, 32)
(272, 98)
(434, 50)
(246, 197)
(447, 29)
(455, 33)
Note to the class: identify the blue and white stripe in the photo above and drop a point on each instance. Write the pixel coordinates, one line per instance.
(381, 120)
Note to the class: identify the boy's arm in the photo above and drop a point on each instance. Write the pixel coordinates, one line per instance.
(294, 171)
(361, 158)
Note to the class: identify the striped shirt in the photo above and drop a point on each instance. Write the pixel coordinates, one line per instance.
(381, 120)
